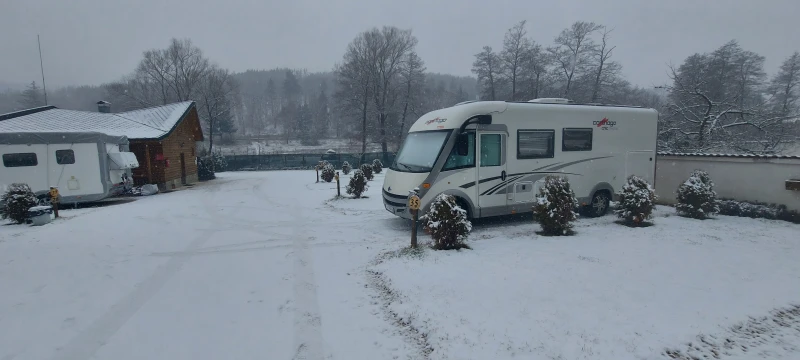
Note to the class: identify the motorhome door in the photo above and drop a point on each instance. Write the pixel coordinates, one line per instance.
(492, 173)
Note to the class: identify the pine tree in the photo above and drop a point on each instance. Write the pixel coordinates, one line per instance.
(367, 170)
(32, 97)
(346, 168)
(18, 199)
(696, 196)
(358, 184)
(447, 223)
(377, 166)
(327, 173)
(636, 201)
(555, 206)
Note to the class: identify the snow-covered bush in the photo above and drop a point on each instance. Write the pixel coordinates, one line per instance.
(447, 223)
(696, 196)
(358, 184)
(377, 166)
(757, 210)
(327, 173)
(17, 200)
(636, 201)
(220, 164)
(346, 168)
(555, 206)
(205, 169)
(321, 164)
(367, 170)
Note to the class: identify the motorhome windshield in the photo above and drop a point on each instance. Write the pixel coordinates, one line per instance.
(420, 151)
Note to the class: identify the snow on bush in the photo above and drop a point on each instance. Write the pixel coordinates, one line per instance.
(757, 210)
(358, 184)
(18, 199)
(220, 164)
(367, 170)
(555, 206)
(447, 223)
(328, 172)
(696, 196)
(346, 168)
(377, 166)
(636, 201)
(321, 164)
(205, 170)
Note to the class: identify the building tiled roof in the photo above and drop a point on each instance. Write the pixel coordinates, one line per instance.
(150, 123)
(669, 153)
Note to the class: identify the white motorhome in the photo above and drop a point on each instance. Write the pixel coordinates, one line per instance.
(493, 156)
(85, 166)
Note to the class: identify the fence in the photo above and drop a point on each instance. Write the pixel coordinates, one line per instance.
(300, 161)
(765, 179)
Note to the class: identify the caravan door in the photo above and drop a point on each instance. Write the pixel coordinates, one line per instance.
(492, 173)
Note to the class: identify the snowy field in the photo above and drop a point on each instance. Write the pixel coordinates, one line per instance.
(267, 265)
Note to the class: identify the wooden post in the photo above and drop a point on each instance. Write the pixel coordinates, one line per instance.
(414, 228)
(149, 168)
(338, 189)
(317, 168)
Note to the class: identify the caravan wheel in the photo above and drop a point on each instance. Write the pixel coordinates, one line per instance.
(599, 205)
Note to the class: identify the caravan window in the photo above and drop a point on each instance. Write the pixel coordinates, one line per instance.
(577, 139)
(455, 161)
(64, 157)
(535, 144)
(20, 159)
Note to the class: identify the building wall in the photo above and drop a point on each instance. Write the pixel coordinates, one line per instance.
(744, 179)
(181, 141)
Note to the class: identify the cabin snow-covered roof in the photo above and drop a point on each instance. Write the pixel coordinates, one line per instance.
(150, 123)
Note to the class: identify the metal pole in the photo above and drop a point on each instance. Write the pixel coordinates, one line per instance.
(41, 64)
(338, 189)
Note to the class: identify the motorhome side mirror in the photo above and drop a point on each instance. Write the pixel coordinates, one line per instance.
(462, 145)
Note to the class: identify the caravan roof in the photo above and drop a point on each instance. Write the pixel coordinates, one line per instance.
(11, 138)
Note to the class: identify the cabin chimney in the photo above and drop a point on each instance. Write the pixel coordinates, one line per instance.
(104, 106)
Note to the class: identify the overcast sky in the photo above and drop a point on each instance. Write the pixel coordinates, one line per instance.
(92, 42)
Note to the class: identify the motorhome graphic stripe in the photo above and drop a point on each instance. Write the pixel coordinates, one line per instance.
(501, 184)
(472, 183)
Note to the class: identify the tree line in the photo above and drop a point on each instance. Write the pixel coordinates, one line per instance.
(722, 100)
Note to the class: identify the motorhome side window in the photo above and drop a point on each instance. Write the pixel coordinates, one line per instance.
(456, 161)
(20, 160)
(535, 144)
(65, 157)
(576, 139)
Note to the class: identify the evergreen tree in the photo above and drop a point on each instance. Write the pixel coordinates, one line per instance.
(32, 97)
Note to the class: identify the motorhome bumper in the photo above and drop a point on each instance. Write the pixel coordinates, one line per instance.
(396, 205)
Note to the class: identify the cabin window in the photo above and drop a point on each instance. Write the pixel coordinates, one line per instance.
(20, 160)
(535, 144)
(575, 139)
(491, 149)
(65, 157)
(456, 161)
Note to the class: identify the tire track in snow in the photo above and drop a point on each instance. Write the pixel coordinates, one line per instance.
(308, 341)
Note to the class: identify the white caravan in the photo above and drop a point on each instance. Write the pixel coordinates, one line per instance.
(493, 156)
(85, 166)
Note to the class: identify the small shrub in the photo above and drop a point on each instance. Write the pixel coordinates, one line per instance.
(220, 164)
(555, 206)
(696, 196)
(321, 164)
(367, 170)
(447, 223)
(636, 201)
(327, 173)
(358, 184)
(346, 168)
(757, 210)
(377, 166)
(18, 199)
(205, 169)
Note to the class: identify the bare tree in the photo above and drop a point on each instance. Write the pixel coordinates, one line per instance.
(487, 68)
(413, 81)
(535, 68)
(515, 48)
(355, 85)
(217, 91)
(606, 71)
(388, 48)
(572, 51)
(784, 86)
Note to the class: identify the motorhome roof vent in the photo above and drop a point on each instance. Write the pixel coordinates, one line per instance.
(551, 101)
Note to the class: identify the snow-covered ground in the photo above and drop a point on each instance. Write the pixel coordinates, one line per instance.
(243, 147)
(268, 265)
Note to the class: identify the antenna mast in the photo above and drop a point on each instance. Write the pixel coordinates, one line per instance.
(41, 64)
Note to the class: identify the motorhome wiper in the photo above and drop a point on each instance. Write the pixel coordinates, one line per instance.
(404, 165)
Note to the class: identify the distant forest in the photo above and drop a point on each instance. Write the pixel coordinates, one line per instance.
(721, 100)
